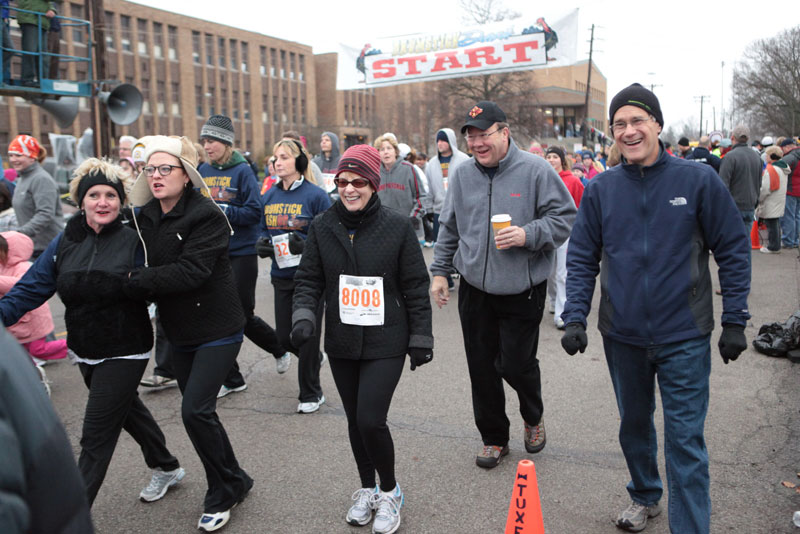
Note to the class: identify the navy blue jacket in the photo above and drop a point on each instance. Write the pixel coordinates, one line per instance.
(701, 154)
(651, 229)
(236, 190)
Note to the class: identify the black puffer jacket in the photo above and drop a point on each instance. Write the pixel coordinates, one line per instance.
(188, 273)
(41, 489)
(383, 245)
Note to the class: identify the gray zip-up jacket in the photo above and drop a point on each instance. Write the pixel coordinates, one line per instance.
(433, 170)
(741, 173)
(37, 206)
(527, 188)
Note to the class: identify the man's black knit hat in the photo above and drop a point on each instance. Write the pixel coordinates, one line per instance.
(636, 95)
(219, 128)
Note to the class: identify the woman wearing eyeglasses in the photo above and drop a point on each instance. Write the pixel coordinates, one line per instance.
(188, 273)
(363, 260)
(289, 207)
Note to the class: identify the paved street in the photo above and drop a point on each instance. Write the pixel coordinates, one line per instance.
(304, 472)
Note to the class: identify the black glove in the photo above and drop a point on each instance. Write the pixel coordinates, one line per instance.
(302, 331)
(574, 338)
(429, 217)
(264, 248)
(731, 342)
(419, 356)
(296, 243)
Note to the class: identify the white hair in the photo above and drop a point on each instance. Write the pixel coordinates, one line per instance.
(128, 138)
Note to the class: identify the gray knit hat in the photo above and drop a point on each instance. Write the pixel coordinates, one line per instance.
(218, 128)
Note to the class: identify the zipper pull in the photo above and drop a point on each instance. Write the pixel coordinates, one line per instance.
(179, 236)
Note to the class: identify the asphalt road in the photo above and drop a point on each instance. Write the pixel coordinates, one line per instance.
(304, 472)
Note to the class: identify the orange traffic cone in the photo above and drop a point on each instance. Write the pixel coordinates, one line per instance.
(525, 510)
(755, 240)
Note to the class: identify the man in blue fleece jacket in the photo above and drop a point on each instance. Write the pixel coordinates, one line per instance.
(650, 222)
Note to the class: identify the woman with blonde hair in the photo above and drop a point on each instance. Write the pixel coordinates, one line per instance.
(401, 188)
(109, 331)
(289, 207)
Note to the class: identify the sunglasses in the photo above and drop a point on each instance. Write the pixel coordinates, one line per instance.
(358, 183)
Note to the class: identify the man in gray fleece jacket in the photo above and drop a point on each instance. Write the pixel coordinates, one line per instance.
(503, 277)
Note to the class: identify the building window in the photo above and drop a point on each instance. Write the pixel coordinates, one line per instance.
(212, 98)
(224, 95)
(232, 46)
(283, 63)
(125, 33)
(198, 98)
(76, 10)
(302, 74)
(221, 52)
(303, 117)
(141, 36)
(161, 97)
(176, 98)
(275, 107)
(158, 40)
(273, 61)
(291, 66)
(209, 50)
(245, 58)
(264, 108)
(247, 105)
(172, 36)
(196, 46)
(109, 29)
(235, 104)
(262, 69)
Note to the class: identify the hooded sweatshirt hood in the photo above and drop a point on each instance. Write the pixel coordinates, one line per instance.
(437, 181)
(329, 164)
(20, 248)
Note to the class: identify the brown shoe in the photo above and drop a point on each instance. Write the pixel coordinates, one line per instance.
(535, 438)
(490, 455)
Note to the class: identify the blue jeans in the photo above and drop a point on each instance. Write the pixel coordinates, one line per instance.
(790, 222)
(682, 370)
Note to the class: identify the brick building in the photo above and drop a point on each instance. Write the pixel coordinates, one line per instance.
(188, 69)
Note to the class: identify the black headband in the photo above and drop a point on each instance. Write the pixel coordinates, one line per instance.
(91, 180)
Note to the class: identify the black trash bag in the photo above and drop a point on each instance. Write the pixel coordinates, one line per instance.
(777, 339)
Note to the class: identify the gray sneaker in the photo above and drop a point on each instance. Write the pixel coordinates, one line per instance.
(387, 510)
(158, 381)
(361, 512)
(283, 363)
(160, 483)
(634, 517)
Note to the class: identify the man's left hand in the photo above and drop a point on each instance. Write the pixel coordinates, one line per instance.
(731, 342)
(511, 236)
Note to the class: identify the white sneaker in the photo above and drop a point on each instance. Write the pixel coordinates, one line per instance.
(43, 376)
(160, 483)
(559, 323)
(225, 390)
(158, 381)
(212, 522)
(765, 250)
(361, 512)
(283, 363)
(310, 407)
(387, 510)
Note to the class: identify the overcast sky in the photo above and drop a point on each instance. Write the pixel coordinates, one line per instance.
(679, 50)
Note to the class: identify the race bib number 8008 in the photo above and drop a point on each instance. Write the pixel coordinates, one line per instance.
(361, 300)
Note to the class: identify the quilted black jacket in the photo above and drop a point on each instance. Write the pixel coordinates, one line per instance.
(383, 245)
(189, 274)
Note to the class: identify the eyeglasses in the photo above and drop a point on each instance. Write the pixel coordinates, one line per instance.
(636, 122)
(482, 136)
(358, 183)
(163, 170)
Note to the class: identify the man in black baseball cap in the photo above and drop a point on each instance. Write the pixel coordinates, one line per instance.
(504, 274)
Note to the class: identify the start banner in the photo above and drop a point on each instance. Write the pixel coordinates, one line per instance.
(501, 47)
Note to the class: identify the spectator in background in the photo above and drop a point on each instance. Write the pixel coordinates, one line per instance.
(36, 200)
(328, 158)
(772, 199)
(8, 219)
(31, 24)
(790, 222)
(740, 171)
(702, 154)
(51, 60)
(126, 144)
(684, 149)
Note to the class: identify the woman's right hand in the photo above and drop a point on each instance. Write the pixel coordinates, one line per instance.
(264, 248)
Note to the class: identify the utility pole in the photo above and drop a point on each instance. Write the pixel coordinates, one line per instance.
(702, 99)
(585, 129)
(722, 97)
(100, 121)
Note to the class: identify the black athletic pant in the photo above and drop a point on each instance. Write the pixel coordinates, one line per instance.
(366, 388)
(501, 337)
(114, 404)
(200, 374)
(163, 365)
(245, 274)
(308, 366)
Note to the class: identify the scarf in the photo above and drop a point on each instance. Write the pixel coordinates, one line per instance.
(352, 219)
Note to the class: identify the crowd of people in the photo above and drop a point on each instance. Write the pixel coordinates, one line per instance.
(163, 251)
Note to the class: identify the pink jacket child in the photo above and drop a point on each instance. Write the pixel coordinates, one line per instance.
(30, 331)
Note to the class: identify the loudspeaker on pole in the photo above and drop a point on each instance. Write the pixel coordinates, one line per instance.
(64, 110)
(123, 103)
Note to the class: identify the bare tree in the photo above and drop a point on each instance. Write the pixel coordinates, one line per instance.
(513, 91)
(766, 84)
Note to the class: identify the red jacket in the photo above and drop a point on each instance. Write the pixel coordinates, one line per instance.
(574, 186)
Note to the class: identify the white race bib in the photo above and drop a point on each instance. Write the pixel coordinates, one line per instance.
(282, 255)
(327, 180)
(361, 300)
